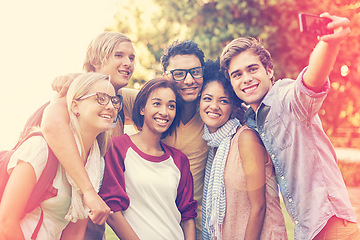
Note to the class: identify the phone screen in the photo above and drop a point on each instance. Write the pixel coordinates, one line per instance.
(314, 24)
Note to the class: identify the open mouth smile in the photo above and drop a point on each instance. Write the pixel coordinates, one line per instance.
(213, 115)
(106, 116)
(250, 89)
(124, 72)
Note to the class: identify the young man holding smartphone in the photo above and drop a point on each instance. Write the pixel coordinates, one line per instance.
(285, 114)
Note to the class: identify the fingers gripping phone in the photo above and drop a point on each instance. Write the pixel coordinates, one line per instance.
(314, 25)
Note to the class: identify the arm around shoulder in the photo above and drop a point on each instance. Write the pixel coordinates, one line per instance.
(57, 132)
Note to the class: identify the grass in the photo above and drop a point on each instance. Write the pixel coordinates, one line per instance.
(110, 235)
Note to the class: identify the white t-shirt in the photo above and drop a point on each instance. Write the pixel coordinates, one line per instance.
(35, 152)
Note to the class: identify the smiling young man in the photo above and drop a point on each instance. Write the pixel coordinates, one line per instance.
(109, 53)
(183, 63)
(286, 116)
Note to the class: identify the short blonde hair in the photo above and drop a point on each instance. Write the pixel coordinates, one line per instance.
(100, 48)
(78, 88)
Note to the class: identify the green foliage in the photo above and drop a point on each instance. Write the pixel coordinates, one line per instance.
(350, 173)
(153, 24)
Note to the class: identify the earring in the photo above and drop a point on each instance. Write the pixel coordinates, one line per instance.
(77, 114)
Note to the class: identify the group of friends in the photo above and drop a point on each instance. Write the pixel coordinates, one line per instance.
(215, 141)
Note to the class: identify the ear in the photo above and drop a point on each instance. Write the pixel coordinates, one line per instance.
(270, 72)
(142, 111)
(75, 107)
(97, 65)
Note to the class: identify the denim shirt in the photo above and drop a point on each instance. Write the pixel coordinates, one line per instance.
(304, 159)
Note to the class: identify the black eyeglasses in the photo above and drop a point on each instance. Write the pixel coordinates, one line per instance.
(103, 99)
(180, 74)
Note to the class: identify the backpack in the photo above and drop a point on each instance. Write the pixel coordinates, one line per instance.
(43, 189)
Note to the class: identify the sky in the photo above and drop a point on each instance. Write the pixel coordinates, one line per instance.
(39, 40)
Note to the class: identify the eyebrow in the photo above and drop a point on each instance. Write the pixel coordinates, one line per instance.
(247, 67)
(121, 52)
(159, 99)
(223, 97)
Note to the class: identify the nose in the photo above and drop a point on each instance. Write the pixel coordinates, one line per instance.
(110, 106)
(214, 105)
(247, 77)
(163, 110)
(189, 79)
(126, 61)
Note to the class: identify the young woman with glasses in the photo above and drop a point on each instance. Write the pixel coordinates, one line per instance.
(92, 106)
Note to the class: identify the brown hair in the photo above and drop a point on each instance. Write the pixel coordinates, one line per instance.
(239, 45)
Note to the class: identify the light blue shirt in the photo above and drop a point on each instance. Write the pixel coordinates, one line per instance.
(304, 159)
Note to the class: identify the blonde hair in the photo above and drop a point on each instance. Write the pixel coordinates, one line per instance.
(100, 49)
(78, 88)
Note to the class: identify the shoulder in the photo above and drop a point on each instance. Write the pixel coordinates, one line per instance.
(176, 154)
(247, 134)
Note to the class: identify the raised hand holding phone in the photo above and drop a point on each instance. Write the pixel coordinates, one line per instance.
(326, 27)
(314, 24)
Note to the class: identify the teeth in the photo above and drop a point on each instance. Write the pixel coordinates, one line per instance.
(105, 116)
(161, 120)
(124, 72)
(250, 89)
(213, 114)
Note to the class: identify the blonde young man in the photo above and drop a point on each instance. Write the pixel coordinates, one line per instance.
(109, 53)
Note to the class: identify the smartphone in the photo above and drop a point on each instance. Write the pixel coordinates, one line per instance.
(314, 24)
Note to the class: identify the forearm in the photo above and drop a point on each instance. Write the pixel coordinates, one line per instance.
(324, 55)
(255, 223)
(188, 227)
(75, 231)
(10, 231)
(57, 132)
(121, 227)
(321, 64)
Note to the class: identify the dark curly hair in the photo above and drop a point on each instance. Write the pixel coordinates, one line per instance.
(181, 48)
(212, 73)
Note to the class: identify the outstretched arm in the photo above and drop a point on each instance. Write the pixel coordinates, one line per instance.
(324, 55)
(56, 130)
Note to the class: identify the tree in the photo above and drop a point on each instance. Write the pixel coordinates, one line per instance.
(153, 24)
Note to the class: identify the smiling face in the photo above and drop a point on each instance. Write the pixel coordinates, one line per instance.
(215, 106)
(189, 89)
(159, 111)
(92, 116)
(120, 65)
(250, 80)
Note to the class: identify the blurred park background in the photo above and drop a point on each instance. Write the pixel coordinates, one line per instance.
(41, 39)
(45, 38)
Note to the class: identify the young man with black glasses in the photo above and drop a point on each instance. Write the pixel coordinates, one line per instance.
(183, 62)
